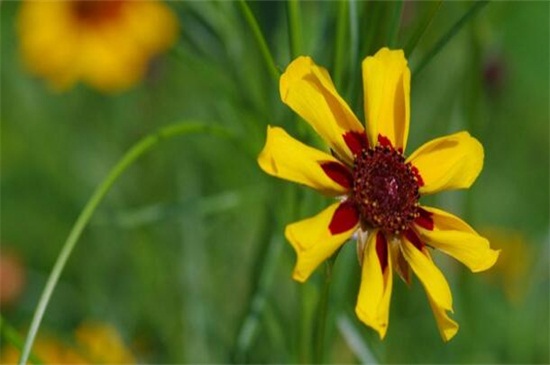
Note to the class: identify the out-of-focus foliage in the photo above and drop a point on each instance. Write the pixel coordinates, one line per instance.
(194, 230)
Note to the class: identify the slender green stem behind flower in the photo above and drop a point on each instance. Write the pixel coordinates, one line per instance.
(260, 40)
(419, 32)
(139, 149)
(323, 311)
(11, 336)
(395, 23)
(294, 27)
(474, 9)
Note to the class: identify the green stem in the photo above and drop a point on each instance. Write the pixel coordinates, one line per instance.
(250, 325)
(354, 60)
(140, 148)
(294, 27)
(419, 32)
(372, 18)
(260, 40)
(474, 9)
(323, 311)
(341, 32)
(395, 23)
(11, 336)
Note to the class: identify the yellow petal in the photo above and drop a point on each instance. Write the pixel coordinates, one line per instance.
(290, 159)
(313, 241)
(373, 301)
(309, 91)
(457, 239)
(431, 278)
(49, 43)
(446, 326)
(386, 87)
(151, 24)
(449, 162)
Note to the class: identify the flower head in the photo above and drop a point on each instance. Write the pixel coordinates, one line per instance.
(106, 44)
(378, 186)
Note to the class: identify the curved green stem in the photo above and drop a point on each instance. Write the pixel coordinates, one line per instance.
(294, 28)
(323, 312)
(140, 148)
(12, 337)
(341, 36)
(395, 23)
(419, 32)
(474, 9)
(260, 40)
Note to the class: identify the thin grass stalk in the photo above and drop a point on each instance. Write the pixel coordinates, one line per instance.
(294, 27)
(250, 325)
(260, 40)
(474, 9)
(421, 30)
(395, 23)
(341, 45)
(12, 337)
(139, 149)
(372, 19)
(323, 312)
(354, 60)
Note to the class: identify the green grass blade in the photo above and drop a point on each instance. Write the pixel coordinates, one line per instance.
(419, 32)
(294, 27)
(355, 340)
(341, 45)
(474, 9)
(250, 325)
(139, 149)
(395, 23)
(11, 336)
(260, 40)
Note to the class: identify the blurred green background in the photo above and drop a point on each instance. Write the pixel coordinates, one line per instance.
(186, 256)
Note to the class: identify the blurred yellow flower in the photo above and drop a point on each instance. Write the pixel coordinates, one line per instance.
(48, 349)
(102, 343)
(376, 186)
(104, 43)
(514, 264)
(96, 343)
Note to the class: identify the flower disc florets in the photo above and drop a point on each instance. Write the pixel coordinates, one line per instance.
(96, 12)
(385, 189)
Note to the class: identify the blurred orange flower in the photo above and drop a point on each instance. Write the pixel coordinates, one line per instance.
(13, 277)
(106, 44)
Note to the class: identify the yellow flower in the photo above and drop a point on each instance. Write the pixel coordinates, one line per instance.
(513, 268)
(48, 349)
(102, 344)
(377, 186)
(96, 343)
(106, 44)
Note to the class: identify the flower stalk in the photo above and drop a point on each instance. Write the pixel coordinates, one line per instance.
(474, 9)
(260, 40)
(324, 311)
(139, 149)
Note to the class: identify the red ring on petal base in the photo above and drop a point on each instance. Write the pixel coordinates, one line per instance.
(345, 218)
(338, 173)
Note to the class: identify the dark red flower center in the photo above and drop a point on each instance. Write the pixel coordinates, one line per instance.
(94, 12)
(385, 189)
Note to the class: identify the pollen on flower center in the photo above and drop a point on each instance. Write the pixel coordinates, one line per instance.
(94, 12)
(385, 189)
